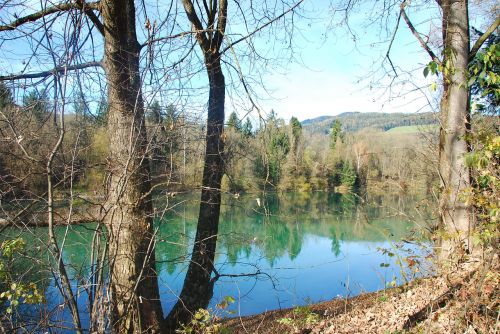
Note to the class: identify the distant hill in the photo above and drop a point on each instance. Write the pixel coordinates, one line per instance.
(355, 121)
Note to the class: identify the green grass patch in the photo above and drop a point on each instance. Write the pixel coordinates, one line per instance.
(414, 129)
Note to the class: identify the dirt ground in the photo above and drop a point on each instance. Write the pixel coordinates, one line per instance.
(465, 300)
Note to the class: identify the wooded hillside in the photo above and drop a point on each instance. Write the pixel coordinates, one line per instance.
(355, 121)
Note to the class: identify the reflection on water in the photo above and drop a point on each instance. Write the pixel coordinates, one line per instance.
(275, 251)
(303, 247)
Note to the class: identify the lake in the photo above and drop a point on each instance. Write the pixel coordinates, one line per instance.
(293, 248)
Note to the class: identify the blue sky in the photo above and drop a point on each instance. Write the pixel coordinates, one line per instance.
(342, 75)
(332, 73)
(339, 74)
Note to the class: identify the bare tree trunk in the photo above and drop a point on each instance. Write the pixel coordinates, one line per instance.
(133, 283)
(65, 289)
(198, 284)
(455, 178)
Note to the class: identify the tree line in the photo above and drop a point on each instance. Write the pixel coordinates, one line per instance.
(277, 156)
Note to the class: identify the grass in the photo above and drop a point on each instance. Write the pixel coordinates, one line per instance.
(413, 129)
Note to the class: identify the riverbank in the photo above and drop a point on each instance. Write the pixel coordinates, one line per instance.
(39, 218)
(464, 300)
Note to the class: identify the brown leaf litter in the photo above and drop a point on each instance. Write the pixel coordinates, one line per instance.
(464, 300)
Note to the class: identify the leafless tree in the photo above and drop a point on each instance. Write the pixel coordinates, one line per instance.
(209, 25)
(450, 56)
(104, 43)
(127, 213)
(455, 213)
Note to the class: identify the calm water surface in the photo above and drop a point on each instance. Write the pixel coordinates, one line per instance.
(295, 248)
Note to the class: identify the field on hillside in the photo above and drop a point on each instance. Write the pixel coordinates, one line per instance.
(410, 129)
(357, 121)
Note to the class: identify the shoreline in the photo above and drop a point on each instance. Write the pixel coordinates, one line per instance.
(426, 305)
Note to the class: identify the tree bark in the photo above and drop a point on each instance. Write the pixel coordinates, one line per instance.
(134, 289)
(198, 284)
(455, 179)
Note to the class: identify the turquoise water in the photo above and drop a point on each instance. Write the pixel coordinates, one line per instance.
(307, 247)
(287, 250)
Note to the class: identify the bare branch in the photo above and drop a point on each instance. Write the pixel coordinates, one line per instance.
(483, 38)
(221, 24)
(387, 55)
(417, 35)
(165, 38)
(56, 70)
(263, 26)
(47, 11)
(198, 27)
(89, 12)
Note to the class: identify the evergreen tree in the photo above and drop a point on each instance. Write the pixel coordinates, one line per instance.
(348, 175)
(275, 144)
(247, 129)
(80, 107)
(159, 148)
(37, 104)
(296, 129)
(5, 96)
(171, 116)
(83, 119)
(101, 116)
(155, 112)
(335, 133)
(272, 116)
(234, 122)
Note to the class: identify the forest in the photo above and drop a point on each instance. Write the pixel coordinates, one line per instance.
(152, 179)
(283, 156)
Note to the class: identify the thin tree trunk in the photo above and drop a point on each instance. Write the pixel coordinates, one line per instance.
(133, 283)
(184, 152)
(57, 254)
(455, 178)
(198, 284)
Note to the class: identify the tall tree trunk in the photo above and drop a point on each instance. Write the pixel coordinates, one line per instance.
(198, 284)
(454, 212)
(133, 283)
